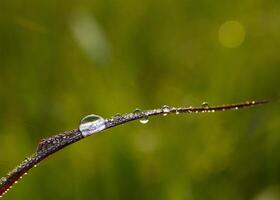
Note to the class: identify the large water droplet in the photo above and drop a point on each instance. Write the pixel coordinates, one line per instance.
(144, 120)
(91, 124)
(165, 109)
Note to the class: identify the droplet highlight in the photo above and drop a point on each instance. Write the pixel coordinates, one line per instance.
(91, 124)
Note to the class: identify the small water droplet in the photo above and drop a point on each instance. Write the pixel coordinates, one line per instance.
(35, 165)
(190, 109)
(236, 108)
(204, 104)
(165, 109)
(177, 111)
(91, 124)
(144, 120)
(116, 115)
(136, 111)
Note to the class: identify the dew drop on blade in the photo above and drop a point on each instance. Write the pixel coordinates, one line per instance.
(165, 110)
(144, 120)
(116, 115)
(91, 124)
(190, 109)
(136, 111)
(204, 104)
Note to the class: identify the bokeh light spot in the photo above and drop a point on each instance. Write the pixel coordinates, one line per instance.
(232, 34)
(91, 37)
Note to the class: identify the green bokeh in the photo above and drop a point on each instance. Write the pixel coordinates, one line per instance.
(62, 60)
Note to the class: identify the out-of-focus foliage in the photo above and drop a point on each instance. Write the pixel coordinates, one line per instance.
(61, 60)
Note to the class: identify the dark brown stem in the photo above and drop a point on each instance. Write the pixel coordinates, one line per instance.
(50, 145)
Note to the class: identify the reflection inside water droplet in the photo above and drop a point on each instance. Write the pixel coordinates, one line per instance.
(91, 124)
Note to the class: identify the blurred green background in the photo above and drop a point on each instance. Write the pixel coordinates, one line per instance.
(62, 60)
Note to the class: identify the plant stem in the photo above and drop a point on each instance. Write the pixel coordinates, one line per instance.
(59, 141)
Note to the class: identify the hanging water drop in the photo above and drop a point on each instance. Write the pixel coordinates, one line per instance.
(165, 109)
(91, 124)
(177, 111)
(144, 120)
